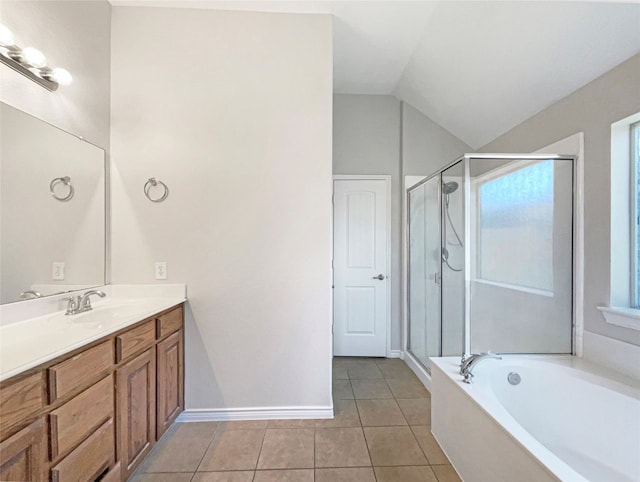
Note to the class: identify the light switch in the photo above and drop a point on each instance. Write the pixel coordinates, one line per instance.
(57, 270)
(161, 270)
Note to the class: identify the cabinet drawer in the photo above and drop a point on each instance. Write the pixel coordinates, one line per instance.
(135, 340)
(19, 400)
(73, 421)
(170, 322)
(90, 458)
(80, 370)
(113, 475)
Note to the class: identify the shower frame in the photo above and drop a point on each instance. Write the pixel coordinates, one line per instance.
(466, 160)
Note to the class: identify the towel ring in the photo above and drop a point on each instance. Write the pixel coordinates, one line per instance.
(152, 182)
(66, 180)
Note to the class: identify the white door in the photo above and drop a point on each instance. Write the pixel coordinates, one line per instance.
(360, 267)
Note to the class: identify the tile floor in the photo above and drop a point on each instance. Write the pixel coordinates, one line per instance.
(381, 432)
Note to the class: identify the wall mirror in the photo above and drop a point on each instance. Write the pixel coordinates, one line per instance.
(52, 206)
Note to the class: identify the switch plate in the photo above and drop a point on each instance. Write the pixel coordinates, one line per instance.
(57, 270)
(161, 270)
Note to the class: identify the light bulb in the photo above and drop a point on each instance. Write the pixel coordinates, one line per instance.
(61, 76)
(33, 57)
(6, 36)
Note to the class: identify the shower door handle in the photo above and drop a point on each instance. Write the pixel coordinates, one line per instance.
(379, 277)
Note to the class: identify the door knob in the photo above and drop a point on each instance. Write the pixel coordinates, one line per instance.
(379, 277)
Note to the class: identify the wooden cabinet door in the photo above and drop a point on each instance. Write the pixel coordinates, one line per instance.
(170, 380)
(23, 456)
(136, 417)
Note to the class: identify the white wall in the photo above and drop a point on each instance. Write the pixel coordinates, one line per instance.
(75, 36)
(233, 111)
(591, 109)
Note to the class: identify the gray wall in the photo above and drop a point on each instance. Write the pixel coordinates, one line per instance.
(377, 134)
(234, 114)
(426, 146)
(72, 35)
(591, 109)
(366, 140)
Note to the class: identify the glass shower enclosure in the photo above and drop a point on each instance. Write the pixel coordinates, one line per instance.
(490, 257)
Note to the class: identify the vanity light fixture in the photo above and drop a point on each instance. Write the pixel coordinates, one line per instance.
(30, 62)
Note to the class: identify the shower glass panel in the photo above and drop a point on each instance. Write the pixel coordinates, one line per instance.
(453, 260)
(424, 266)
(521, 215)
(490, 257)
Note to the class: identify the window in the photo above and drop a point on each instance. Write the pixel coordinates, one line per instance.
(624, 305)
(515, 227)
(635, 213)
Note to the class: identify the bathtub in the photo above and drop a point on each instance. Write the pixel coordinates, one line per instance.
(565, 420)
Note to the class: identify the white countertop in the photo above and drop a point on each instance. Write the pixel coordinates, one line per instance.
(28, 343)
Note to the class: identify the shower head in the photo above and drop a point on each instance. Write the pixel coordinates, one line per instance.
(449, 187)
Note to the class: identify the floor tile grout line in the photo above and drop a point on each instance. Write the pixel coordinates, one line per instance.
(420, 446)
(213, 437)
(364, 435)
(264, 436)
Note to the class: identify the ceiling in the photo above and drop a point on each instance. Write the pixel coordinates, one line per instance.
(477, 68)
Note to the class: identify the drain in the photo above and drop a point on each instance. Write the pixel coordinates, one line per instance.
(514, 378)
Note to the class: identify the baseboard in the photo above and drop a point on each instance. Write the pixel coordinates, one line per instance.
(418, 369)
(394, 354)
(270, 413)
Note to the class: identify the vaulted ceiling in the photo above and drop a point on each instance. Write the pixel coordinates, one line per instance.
(477, 68)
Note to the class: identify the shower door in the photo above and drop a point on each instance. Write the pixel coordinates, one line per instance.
(424, 337)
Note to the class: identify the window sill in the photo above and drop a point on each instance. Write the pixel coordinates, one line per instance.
(620, 316)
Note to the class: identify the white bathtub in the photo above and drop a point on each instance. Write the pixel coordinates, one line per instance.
(563, 421)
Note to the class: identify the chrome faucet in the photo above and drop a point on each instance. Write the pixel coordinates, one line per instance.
(84, 304)
(80, 304)
(469, 363)
(30, 294)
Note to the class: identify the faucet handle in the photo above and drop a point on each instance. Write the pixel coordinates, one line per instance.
(72, 305)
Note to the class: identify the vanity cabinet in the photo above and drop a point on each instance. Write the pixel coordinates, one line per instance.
(96, 412)
(136, 385)
(23, 456)
(170, 388)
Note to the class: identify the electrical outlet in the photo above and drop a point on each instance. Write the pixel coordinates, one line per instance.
(161, 270)
(57, 270)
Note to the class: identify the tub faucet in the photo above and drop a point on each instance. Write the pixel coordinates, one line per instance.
(469, 363)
